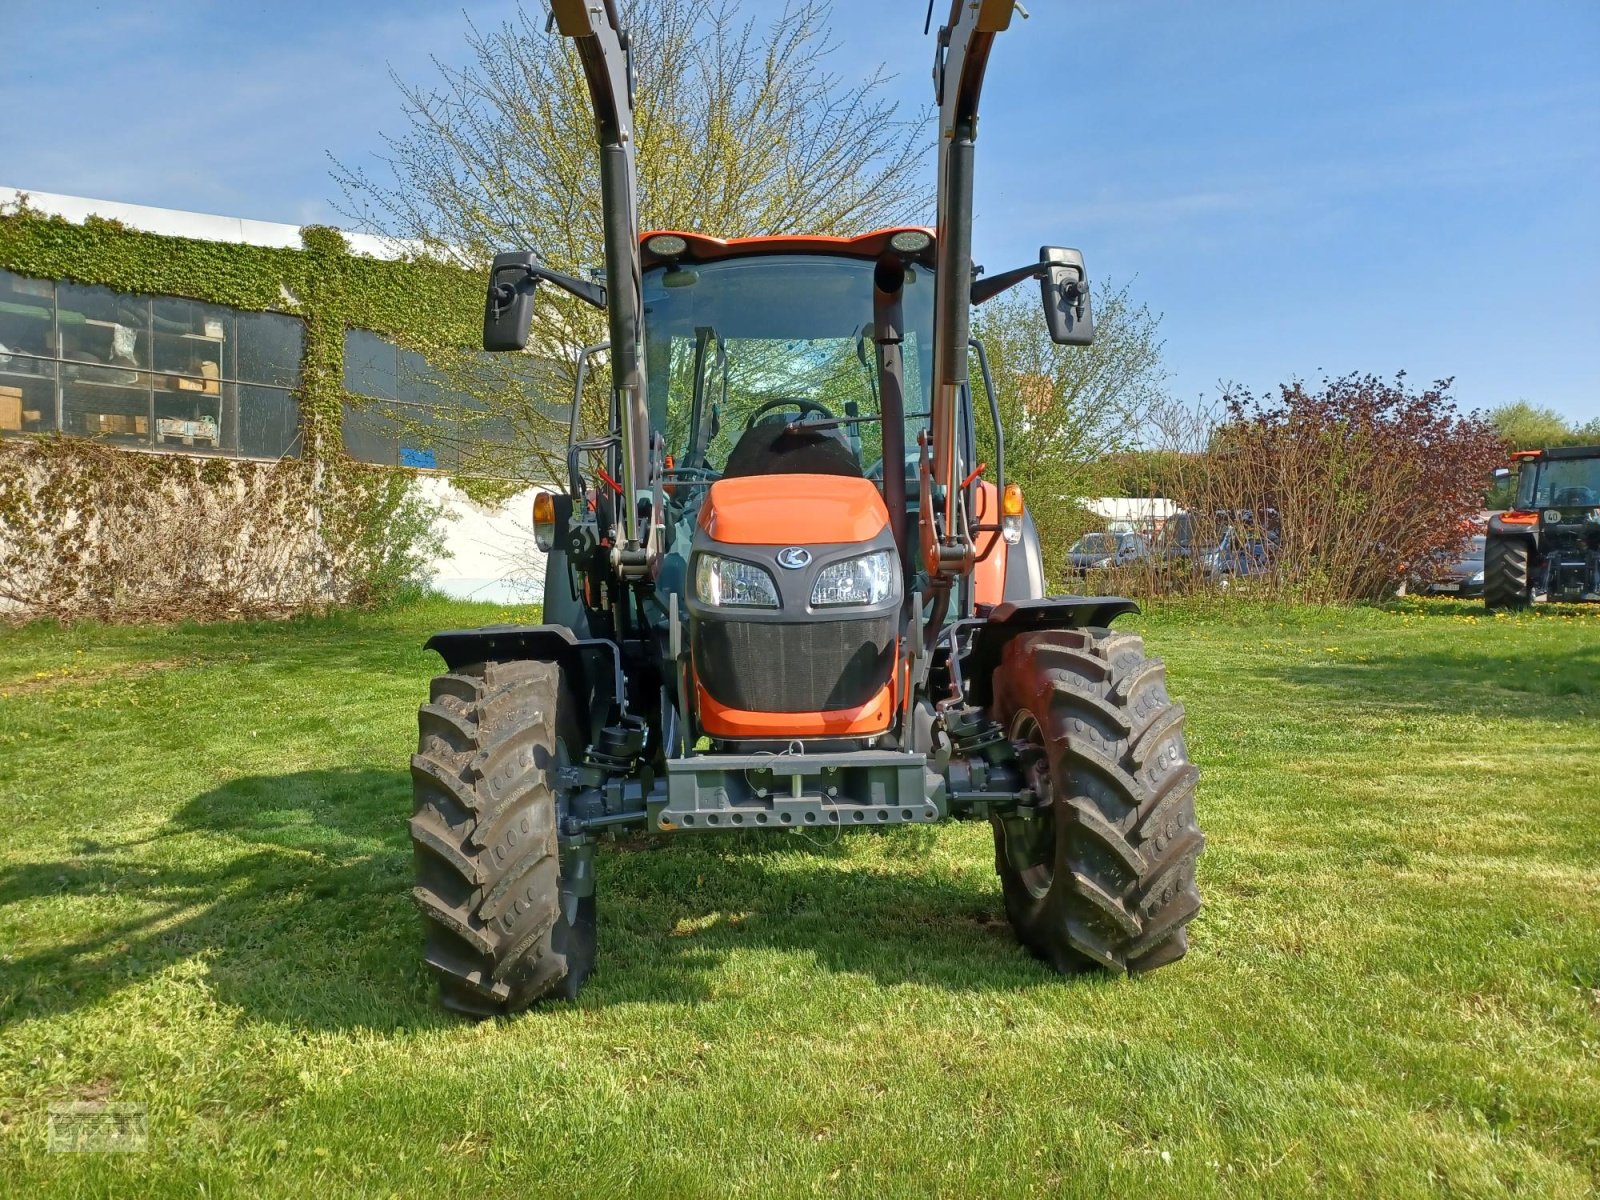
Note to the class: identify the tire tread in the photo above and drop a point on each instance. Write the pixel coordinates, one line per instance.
(483, 830)
(1123, 890)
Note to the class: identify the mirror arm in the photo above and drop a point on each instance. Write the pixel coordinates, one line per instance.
(589, 293)
(988, 287)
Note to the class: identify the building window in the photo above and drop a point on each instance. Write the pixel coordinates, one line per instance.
(403, 412)
(27, 355)
(156, 371)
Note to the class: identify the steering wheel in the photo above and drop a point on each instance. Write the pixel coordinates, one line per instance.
(797, 402)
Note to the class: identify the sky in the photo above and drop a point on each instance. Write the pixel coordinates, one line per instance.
(1298, 189)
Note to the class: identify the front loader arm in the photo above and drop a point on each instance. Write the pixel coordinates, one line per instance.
(958, 70)
(602, 44)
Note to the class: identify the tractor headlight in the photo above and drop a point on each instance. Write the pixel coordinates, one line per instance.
(868, 579)
(727, 582)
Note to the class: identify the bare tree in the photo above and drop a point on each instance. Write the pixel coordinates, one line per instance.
(741, 128)
(1068, 410)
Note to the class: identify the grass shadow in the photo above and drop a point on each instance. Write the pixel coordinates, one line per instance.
(293, 892)
(1471, 675)
(1535, 682)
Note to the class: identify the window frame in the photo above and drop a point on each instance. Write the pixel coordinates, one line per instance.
(184, 390)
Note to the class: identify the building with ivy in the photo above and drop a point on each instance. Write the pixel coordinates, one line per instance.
(172, 333)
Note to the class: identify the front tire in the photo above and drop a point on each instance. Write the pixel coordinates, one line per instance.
(1506, 576)
(1104, 875)
(498, 931)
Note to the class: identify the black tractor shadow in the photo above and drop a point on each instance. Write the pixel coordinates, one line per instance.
(294, 892)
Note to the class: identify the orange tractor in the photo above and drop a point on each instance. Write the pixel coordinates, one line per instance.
(782, 594)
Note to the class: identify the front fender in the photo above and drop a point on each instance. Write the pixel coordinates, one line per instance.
(592, 666)
(1026, 616)
(1498, 528)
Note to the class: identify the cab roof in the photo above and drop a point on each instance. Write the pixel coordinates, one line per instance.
(705, 249)
(1558, 452)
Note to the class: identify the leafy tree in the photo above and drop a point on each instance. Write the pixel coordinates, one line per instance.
(1143, 472)
(1525, 426)
(1067, 411)
(741, 130)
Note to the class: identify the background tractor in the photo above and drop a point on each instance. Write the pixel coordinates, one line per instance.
(1547, 545)
(781, 593)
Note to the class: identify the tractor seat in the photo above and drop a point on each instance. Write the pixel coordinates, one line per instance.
(768, 448)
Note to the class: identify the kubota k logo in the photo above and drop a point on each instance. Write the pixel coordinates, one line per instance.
(793, 557)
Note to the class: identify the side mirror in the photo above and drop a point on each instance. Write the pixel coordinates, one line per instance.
(508, 309)
(1065, 291)
(1501, 473)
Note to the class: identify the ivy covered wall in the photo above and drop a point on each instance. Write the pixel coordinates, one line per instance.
(421, 305)
(90, 530)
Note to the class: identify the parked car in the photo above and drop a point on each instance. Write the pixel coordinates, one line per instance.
(1464, 576)
(1235, 555)
(1101, 551)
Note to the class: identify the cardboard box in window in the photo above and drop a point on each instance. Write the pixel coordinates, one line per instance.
(123, 424)
(206, 387)
(10, 408)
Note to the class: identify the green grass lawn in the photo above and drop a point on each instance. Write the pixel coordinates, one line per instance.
(1394, 988)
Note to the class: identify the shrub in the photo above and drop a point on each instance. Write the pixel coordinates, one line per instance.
(1348, 486)
(88, 530)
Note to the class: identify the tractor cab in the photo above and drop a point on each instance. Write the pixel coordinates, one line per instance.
(1547, 545)
(762, 353)
(1567, 478)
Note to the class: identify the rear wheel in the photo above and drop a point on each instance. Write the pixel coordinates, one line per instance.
(1506, 582)
(1104, 874)
(498, 932)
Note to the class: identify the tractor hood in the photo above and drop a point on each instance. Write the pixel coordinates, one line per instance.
(785, 510)
(794, 599)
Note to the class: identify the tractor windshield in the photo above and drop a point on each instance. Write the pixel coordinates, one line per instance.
(1560, 483)
(788, 333)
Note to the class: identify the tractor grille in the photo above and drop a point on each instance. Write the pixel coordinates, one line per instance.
(778, 667)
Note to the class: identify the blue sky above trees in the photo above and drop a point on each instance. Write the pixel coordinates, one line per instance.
(1297, 188)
